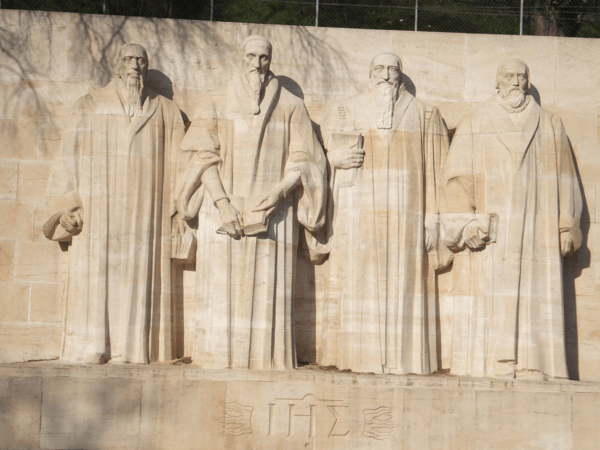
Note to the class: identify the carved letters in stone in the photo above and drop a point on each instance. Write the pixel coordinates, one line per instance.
(309, 417)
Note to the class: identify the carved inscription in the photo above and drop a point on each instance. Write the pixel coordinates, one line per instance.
(308, 417)
(302, 416)
(379, 423)
(237, 419)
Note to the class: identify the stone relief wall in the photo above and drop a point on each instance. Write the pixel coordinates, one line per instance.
(61, 57)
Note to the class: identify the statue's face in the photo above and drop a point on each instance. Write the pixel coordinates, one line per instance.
(385, 70)
(256, 57)
(132, 62)
(513, 77)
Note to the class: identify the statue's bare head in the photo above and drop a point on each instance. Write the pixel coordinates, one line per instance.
(385, 77)
(512, 82)
(132, 61)
(132, 67)
(256, 54)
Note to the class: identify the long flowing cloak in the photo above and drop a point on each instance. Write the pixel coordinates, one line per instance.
(508, 299)
(116, 172)
(376, 311)
(244, 288)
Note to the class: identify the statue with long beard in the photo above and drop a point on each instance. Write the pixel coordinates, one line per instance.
(110, 200)
(373, 292)
(251, 150)
(511, 211)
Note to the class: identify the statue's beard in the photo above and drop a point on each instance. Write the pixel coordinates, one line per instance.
(514, 99)
(255, 84)
(385, 96)
(133, 103)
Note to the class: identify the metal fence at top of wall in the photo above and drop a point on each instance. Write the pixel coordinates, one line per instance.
(573, 18)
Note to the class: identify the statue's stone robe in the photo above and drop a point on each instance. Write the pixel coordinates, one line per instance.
(373, 310)
(508, 298)
(116, 172)
(244, 288)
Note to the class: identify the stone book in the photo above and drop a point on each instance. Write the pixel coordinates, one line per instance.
(254, 222)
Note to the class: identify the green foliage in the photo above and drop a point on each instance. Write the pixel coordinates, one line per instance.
(577, 18)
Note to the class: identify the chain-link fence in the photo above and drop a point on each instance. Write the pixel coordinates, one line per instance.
(574, 18)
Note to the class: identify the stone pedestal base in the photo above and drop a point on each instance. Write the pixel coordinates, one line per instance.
(54, 406)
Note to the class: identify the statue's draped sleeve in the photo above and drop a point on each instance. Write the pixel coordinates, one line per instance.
(569, 194)
(435, 147)
(200, 149)
(63, 188)
(458, 185)
(306, 157)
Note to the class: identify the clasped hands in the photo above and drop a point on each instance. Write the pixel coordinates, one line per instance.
(232, 220)
(474, 241)
(72, 223)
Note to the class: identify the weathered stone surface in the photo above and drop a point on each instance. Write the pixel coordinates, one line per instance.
(24, 341)
(9, 172)
(163, 406)
(39, 261)
(53, 59)
(91, 413)
(16, 219)
(47, 302)
(7, 251)
(14, 302)
(174, 411)
(33, 179)
(21, 139)
(20, 412)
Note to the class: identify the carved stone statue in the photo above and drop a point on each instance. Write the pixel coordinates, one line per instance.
(110, 198)
(513, 204)
(255, 173)
(385, 148)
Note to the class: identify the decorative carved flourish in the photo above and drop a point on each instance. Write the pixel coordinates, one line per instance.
(379, 423)
(237, 419)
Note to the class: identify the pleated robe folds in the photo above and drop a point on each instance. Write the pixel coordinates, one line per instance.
(116, 172)
(374, 312)
(244, 288)
(508, 299)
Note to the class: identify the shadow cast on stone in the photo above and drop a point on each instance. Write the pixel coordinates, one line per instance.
(573, 267)
(159, 82)
(536, 95)
(409, 85)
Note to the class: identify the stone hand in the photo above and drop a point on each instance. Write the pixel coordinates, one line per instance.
(270, 201)
(72, 223)
(566, 243)
(178, 224)
(471, 236)
(429, 241)
(351, 158)
(231, 219)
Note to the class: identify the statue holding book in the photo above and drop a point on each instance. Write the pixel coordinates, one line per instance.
(254, 173)
(511, 209)
(385, 149)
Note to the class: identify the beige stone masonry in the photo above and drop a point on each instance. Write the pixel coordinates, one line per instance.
(163, 406)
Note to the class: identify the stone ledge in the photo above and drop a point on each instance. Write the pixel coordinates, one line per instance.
(53, 405)
(306, 374)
